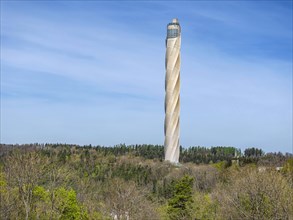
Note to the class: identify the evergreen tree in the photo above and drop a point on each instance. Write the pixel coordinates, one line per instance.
(180, 205)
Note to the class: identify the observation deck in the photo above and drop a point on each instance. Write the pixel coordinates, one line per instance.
(173, 29)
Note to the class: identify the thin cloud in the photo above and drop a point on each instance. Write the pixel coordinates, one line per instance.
(94, 73)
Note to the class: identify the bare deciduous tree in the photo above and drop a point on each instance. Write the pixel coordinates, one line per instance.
(24, 169)
(126, 201)
(256, 195)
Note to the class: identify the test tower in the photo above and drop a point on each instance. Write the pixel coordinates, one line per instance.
(172, 88)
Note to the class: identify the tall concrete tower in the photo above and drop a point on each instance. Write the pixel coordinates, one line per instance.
(172, 88)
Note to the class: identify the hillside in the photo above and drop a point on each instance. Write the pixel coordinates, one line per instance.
(58, 181)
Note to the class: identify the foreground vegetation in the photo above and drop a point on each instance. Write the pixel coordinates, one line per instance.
(72, 182)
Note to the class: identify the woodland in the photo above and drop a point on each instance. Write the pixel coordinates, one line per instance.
(63, 181)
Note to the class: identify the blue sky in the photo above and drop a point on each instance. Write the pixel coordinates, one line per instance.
(93, 72)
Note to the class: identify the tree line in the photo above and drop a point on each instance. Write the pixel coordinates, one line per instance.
(196, 154)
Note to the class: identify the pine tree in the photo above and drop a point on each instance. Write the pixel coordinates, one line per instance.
(180, 205)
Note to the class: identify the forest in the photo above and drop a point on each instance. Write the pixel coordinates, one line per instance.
(63, 181)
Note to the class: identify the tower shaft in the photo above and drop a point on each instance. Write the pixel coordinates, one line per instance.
(172, 89)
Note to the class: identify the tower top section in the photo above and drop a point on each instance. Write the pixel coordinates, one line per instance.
(173, 29)
(175, 20)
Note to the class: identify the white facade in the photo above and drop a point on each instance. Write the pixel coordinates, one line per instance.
(172, 88)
